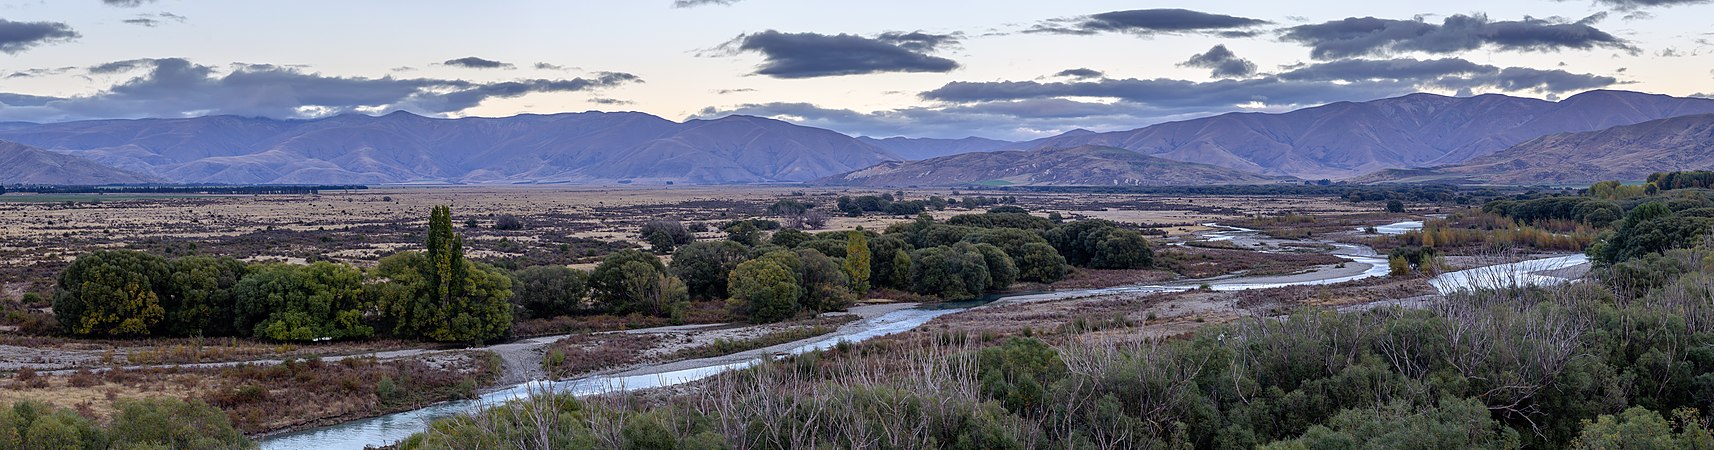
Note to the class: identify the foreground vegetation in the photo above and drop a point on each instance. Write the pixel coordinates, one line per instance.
(1622, 361)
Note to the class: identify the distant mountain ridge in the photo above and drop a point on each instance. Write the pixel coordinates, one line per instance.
(914, 149)
(23, 164)
(1338, 140)
(1625, 153)
(1077, 166)
(402, 147)
(1347, 139)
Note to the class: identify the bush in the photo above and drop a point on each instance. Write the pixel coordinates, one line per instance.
(302, 303)
(704, 266)
(632, 281)
(508, 222)
(766, 289)
(550, 291)
(172, 423)
(112, 293)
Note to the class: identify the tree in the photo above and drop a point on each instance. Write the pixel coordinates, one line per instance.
(1640, 428)
(549, 291)
(508, 222)
(1002, 272)
(450, 299)
(765, 289)
(302, 303)
(789, 238)
(165, 422)
(857, 263)
(883, 272)
(1454, 423)
(673, 229)
(112, 293)
(1039, 262)
(200, 299)
(660, 242)
(705, 265)
(1123, 249)
(1395, 206)
(949, 272)
(633, 281)
(826, 285)
(744, 232)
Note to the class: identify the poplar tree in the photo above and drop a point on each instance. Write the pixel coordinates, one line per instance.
(857, 261)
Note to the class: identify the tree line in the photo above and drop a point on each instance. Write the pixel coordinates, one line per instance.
(440, 295)
(435, 294)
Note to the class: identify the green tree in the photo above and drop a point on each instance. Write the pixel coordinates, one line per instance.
(704, 266)
(200, 299)
(789, 238)
(550, 291)
(765, 289)
(1395, 206)
(112, 293)
(633, 281)
(857, 263)
(164, 422)
(1454, 423)
(744, 232)
(450, 299)
(1639, 428)
(302, 303)
(949, 272)
(884, 251)
(1039, 262)
(826, 285)
(1123, 249)
(1002, 272)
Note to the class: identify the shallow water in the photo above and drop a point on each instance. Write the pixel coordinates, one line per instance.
(1397, 228)
(1518, 274)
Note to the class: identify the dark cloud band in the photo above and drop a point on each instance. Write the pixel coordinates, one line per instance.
(1149, 21)
(809, 55)
(20, 36)
(1369, 36)
(174, 87)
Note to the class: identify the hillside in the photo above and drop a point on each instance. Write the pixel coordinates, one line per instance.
(1348, 139)
(23, 164)
(589, 147)
(1628, 152)
(1079, 166)
(913, 149)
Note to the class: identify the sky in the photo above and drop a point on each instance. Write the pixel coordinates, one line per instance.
(1002, 69)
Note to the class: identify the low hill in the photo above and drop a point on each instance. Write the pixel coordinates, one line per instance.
(1078, 166)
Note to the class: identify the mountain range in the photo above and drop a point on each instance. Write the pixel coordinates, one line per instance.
(1347, 139)
(1076, 166)
(401, 148)
(1344, 140)
(1625, 153)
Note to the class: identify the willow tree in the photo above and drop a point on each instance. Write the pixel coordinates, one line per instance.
(857, 261)
(454, 299)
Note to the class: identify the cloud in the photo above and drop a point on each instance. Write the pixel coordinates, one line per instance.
(1080, 73)
(473, 62)
(809, 55)
(1222, 62)
(1369, 36)
(16, 37)
(734, 91)
(696, 3)
(155, 20)
(174, 87)
(1312, 85)
(24, 100)
(126, 3)
(40, 72)
(609, 101)
(1150, 21)
(1022, 119)
(550, 66)
(1450, 73)
(1628, 5)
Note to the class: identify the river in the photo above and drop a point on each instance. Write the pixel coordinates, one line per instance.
(1364, 263)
